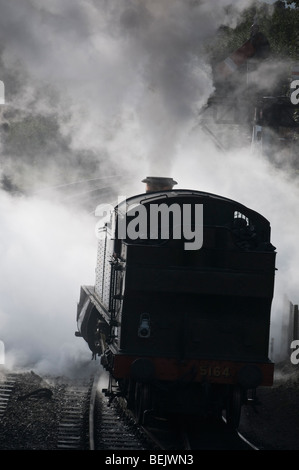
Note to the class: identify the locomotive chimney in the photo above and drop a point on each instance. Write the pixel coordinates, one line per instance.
(156, 183)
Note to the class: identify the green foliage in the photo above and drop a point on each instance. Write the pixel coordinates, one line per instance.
(282, 30)
(293, 3)
(31, 136)
(277, 22)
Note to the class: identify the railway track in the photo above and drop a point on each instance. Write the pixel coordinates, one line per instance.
(192, 436)
(88, 422)
(7, 384)
(85, 420)
(72, 425)
(116, 429)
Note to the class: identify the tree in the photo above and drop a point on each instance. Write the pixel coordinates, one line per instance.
(293, 3)
(277, 22)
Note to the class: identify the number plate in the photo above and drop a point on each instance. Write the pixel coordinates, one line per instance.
(215, 371)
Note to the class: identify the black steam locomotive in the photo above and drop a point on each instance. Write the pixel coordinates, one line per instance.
(180, 310)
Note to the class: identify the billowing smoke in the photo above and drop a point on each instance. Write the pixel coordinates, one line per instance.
(124, 80)
(46, 251)
(103, 88)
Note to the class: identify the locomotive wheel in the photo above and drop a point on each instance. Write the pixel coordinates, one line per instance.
(233, 407)
(143, 401)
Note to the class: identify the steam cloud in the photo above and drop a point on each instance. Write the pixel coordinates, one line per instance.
(124, 82)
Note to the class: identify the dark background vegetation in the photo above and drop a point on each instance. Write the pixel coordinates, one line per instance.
(279, 22)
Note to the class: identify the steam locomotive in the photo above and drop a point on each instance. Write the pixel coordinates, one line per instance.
(182, 325)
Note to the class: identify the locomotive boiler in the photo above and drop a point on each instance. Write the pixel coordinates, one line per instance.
(180, 310)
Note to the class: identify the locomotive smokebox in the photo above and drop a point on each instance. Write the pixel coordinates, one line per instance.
(157, 183)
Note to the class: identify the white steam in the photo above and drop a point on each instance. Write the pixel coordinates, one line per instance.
(131, 75)
(125, 80)
(46, 251)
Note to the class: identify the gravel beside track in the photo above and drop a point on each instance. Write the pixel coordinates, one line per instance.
(32, 416)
